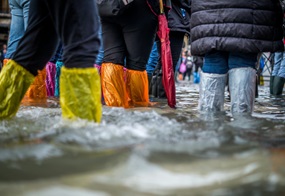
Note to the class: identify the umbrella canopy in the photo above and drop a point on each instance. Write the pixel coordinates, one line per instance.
(166, 60)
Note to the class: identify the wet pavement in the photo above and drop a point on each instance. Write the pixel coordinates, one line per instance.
(145, 151)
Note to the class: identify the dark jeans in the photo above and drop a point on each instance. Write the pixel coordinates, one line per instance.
(128, 38)
(75, 23)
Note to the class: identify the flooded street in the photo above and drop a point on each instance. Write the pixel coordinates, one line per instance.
(145, 151)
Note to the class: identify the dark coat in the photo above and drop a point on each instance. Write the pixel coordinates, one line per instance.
(248, 26)
(177, 19)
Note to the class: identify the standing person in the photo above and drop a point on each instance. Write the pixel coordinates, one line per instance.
(75, 23)
(277, 78)
(230, 34)
(127, 41)
(278, 74)
(189, 65)
(179, 25)
(19, 22)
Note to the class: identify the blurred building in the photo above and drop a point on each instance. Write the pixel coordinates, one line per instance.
(5, 19)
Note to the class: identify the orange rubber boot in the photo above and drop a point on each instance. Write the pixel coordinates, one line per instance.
(113, 85)
(38, 88)
(137, 88)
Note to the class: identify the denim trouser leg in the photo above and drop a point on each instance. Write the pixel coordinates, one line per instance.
(220, 62)
(281, 71)
(277, 63)
(239, 60)
(216, 62)
(153, 59)
(19, 21)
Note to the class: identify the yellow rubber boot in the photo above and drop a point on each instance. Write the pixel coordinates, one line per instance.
(14, 82)
(80, 93)
(38, 89)
(113, 85)
(137, 88)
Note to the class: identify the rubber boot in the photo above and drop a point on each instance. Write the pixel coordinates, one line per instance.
(271, 84)
(14, 82)
(80, 93)
(38, 90)
(137, 88)
(50, 78)
(242, 83)
(113, 85)
(212, 92)
(278, 85)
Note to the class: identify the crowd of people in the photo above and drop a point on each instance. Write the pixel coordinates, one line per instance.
(69, 50)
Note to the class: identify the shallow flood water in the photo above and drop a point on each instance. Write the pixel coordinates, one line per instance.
(145, 151)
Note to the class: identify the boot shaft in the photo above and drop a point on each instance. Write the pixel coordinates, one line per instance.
(242, 83)
(212, 92)
(278, 85)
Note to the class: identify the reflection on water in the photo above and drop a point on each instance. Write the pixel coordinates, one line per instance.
(145, 151)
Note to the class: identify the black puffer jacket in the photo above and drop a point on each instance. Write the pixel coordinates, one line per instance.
(249, 26)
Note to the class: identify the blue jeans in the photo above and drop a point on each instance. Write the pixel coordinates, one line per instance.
(19, 21)
(279, 64)
(218, 62)
(153, 59)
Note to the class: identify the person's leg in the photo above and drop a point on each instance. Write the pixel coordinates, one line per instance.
(276, 66)
(176, 42)
(139, 26)
(39, 41)
(157, 86)
(151, 64)
(279, 78)
(17, 27)
(277, 63)
(189, 73)
(242, 81)
(213, 81)
(80, 88)
(112, 69)
(197, 64)
(31, 55)
(25, 4)
(153, 59)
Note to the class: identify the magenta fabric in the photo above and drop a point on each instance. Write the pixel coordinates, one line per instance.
(50, 78)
